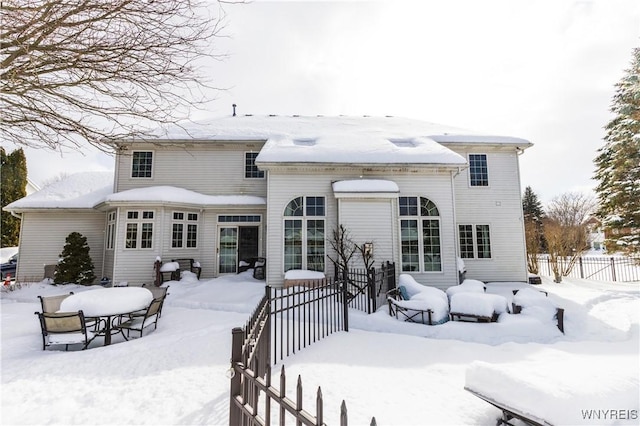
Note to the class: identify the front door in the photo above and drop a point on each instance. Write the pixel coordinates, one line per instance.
(236, 243)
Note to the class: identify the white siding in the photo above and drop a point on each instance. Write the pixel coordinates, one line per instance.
(500, 206)
(43, 238)
(435, 185)
(369, 221)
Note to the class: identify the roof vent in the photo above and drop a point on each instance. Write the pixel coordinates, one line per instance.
(403, 143)
(304, 142)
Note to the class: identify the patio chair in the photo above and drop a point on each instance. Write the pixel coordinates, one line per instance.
(51, 304)
(64, 328)
(189, 265)
(139, 323)
(158, 293)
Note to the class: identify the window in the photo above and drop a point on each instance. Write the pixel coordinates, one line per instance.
(141, 164)
(420, 235)
(250, 169)
(478, 171)
(111, 230)
(239, 218)
(139, 229)
(184, 230)
(304, 236)
(475, 241)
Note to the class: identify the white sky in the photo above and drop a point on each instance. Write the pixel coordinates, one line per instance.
(540, 70)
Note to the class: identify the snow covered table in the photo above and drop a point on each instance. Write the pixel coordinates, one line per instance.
(479, 306)
(295, 277)
(108, 304)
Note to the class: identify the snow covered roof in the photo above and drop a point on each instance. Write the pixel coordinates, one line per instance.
(88, 190)
(174, 195)
(78, 191)
(342, 140)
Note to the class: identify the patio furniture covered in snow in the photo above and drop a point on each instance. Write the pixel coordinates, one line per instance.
(158, 293)
(64, 328)
(479, 307)
(558, 388)
(188, 265)
(303, 277)
(139, 323)
(414, 302)
(534, 302)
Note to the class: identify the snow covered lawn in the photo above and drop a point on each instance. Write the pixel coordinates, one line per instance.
(401, 373)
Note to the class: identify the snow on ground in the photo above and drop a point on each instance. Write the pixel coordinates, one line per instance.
(403, 374)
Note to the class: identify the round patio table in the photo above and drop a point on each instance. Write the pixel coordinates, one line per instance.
(108, 303)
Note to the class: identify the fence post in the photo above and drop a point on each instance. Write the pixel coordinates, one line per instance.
(345, 306)
(613, 268)
(371, 289)
(581, 268)
(236, 379)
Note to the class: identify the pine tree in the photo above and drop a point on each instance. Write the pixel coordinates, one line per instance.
(13, 187)
(533, 228)
(76, 265)
(531, 205)
(618, 166)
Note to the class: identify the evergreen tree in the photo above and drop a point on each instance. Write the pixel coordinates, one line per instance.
(618, 165)
(13, 187)
(76, 265)
(531, 205)
(533, 228)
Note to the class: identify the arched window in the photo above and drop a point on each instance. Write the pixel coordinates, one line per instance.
(420, 235)
(304, 235)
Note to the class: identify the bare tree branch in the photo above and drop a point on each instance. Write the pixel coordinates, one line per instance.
(76, 71)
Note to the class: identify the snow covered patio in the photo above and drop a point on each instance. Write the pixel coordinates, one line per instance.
(401, 373)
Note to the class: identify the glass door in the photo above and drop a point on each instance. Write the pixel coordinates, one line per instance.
(228, 250)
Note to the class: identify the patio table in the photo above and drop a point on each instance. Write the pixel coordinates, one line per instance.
(108, 303)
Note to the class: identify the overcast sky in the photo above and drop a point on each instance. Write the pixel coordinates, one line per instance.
(540, 70)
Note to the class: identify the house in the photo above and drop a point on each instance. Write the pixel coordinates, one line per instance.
(237, 187)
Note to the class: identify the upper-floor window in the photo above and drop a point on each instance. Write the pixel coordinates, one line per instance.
(304, 234)
(142, 164)
(111, 230)
(420, 235)
(250, 169)
(478, 170)
(475, 241)
(139, 229)
(184, 230)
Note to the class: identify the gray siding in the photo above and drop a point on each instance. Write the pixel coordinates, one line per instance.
(43, 236)
(208, 168)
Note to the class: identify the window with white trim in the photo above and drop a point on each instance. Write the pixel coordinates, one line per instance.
(304, 234)
(478, 170)
(475, 241)
(139, 229)
(420, 243)
(184, 230)
(111, 230)
(251, 171)
(142, 164)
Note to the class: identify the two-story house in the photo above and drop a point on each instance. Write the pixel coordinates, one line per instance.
(237, 187)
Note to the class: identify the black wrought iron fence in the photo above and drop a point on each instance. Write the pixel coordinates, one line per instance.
(285, 321)
(366, 288)
(602, 268)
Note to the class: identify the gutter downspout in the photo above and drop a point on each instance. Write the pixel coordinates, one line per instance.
(455, 221)
(519, 152)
